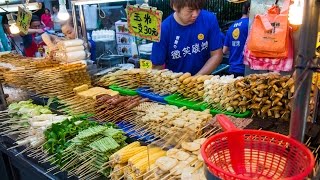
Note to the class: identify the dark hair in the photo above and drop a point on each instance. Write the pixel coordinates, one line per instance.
(47, 9)
(246, 7)
(70, 22)
(55, 6)
(193, 4)
(34, 18)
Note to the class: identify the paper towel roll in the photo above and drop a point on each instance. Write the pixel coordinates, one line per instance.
(72, 56)
(74, 48)
(75, 56)
(71, 43)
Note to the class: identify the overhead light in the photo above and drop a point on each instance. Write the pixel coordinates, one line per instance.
(296, 12)
(83, 2)
(63, 13)
(14, 7)
(13, 26)
(14, 29)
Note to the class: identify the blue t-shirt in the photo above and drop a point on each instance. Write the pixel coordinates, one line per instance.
(187, 48)
(235, 40)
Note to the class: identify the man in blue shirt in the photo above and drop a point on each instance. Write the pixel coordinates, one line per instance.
(190, 40)
(235, 40)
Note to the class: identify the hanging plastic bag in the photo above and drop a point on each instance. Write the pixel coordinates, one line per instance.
(269, 63)
(268, 34)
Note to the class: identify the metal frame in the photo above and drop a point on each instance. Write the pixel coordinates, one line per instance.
(80, 4)
(307, 44)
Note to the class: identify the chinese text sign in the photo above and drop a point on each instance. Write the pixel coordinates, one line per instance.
(144, 23)
(24, 19)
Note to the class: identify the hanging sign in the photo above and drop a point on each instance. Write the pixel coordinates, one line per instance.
(24, 19)
(145, 64)
(144, 22)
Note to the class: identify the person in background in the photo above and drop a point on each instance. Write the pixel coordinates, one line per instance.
(46, 19)
(31, 45)
(235, 40)
(55, 19)
(190, 40)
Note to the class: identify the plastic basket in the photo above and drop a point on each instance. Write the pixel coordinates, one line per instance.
(215, 111)
(176, 100)
(254, 154)
(124, 91)
(147, 93)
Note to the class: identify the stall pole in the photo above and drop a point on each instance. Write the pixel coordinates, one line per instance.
(2, 99)
(74, 19)
(306, 53)
(83, 26)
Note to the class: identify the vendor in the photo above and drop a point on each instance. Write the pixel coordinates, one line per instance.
(52, 40)
(67, 29)
(190, 40)
(235, 40)
(31, 46)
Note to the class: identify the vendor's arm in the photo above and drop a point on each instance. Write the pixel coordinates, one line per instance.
(158, 55)
(33, 31)
(160, 49)
(212, 63)
(50, 40)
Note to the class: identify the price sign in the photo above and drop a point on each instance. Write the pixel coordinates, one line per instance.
(24, 19)
(145, 64)
(144, 22)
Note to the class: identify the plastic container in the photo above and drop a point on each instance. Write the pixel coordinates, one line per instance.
(255, 154)
(147, 93)
(124, 91)
(127, 129)
(215, 111)
(176, 100)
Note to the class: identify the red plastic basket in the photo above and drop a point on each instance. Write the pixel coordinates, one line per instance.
(254, 154)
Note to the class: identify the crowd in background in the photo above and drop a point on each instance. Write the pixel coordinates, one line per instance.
(50, 20)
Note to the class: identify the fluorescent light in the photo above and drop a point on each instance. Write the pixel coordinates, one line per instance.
(296, 12)
(63, 12)
(13, 26)
(14, 7)
(83, 2)
(14, 29)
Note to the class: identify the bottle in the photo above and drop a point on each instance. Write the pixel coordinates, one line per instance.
(134, 49)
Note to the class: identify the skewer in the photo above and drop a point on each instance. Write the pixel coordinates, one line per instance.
(51, 169)
(26, 149)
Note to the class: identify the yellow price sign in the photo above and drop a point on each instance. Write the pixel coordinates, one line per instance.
(144, 22)
(24, 19)
(145, 64)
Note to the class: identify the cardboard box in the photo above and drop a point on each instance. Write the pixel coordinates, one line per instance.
(124, 39)
(121, 27)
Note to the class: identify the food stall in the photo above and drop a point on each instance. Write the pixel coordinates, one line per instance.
(61, 122)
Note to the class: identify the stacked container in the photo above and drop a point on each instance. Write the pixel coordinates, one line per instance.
(126, 44)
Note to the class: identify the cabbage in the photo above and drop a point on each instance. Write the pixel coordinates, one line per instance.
(45, 110)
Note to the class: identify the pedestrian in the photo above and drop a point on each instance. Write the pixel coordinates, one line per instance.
(235, 40)
(46, 19)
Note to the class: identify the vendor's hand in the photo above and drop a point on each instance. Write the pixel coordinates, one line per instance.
(40, 31)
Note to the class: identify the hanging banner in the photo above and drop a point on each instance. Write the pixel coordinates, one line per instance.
(24, 19)
(144, 22)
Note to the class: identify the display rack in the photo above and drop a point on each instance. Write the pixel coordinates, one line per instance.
(80, 4)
